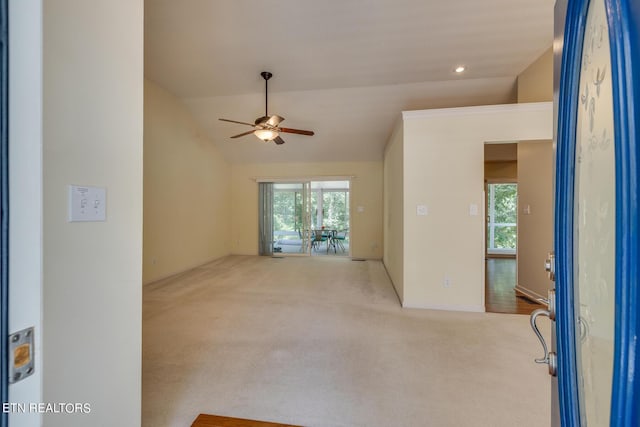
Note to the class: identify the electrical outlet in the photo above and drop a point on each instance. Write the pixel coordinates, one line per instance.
(446, 283)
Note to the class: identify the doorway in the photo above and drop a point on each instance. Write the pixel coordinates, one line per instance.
(518, 206)
(330, 218)
(501, 228)
(308, 218)
(501, 250)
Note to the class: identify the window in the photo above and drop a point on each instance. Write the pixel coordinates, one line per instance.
(502, 232)
(287, 207)
(330, 204)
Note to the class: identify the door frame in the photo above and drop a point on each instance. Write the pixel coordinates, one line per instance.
(308, 180)
(306, 217)
(624, 33)
(4, 202)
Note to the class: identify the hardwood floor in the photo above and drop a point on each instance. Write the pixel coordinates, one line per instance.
(204, 420)
(500, 296)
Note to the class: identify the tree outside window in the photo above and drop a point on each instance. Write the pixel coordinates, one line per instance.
(502, 232)
(287, 210)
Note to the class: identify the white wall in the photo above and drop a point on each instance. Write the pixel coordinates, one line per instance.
(535, 229)
(443, 169)
(535, 83)
(393, 209)
(187, 190)
(25, 181)
(93, 126)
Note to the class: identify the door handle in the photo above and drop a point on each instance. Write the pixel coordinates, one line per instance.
(550, 357)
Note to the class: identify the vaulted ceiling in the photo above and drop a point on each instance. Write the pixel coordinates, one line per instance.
(343, 68)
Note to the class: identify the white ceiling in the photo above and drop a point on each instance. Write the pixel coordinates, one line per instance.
(342, 68)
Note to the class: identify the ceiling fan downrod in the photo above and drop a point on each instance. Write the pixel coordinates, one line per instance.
(266, 76)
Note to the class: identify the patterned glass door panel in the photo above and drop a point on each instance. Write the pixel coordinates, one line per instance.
(594, 223)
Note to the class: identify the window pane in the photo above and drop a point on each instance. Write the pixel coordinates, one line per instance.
(505, 237)
(335, 209)
(506, 203)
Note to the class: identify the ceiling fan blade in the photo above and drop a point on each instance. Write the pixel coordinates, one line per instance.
(261, 120)
(243, 134)
(275, 120)
(235, 121)
(278, 140)
(298, 131)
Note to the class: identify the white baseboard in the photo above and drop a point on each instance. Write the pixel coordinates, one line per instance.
(532, 295)
(446, 307)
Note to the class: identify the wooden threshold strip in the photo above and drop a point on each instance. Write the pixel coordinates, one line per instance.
(205, 420)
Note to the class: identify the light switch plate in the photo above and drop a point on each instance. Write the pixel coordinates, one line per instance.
(87, 203)
(422, 210)
(473, 209)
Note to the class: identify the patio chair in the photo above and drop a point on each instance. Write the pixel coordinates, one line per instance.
(319, 237)
(339, 238)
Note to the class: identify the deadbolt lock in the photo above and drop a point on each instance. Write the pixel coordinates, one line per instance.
(550, 266)
(21, 362)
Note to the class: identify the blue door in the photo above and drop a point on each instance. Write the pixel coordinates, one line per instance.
(597, 233)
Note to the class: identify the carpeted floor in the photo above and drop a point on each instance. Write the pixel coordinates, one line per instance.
(324, 342)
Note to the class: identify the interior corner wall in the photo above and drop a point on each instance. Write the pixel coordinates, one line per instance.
(535, 229)
(92, 127)
(393, 256)
(443, 170)
(366, 191)
(186, 190)
(535, 83)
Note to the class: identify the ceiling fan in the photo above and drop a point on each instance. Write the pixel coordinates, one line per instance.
(266, 127)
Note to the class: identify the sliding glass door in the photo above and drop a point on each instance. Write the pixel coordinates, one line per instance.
(284, 218)
(330, 217)
(304, 218)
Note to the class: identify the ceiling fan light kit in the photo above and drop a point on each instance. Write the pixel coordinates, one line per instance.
(265, 134)
(266, 127)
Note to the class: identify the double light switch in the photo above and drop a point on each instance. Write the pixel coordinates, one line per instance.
(87, 203)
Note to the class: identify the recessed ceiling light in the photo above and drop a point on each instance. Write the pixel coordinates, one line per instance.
(460, 69)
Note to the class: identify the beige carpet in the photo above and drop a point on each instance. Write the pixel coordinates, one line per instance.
(324, 342)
